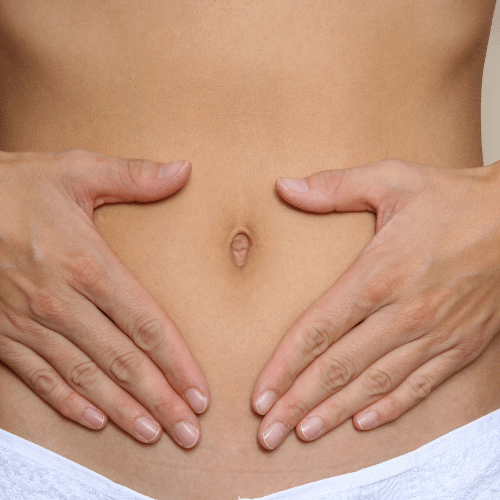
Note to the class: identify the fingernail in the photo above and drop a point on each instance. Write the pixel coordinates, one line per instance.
(186, 433)
(147, 428)
(196, 400)
(265, 402)
(171, 169)
(274, 435)
(312, 427)
(292, 184)
(94, 417)
(368, 420)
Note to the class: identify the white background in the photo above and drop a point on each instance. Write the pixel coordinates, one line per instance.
(490, 103)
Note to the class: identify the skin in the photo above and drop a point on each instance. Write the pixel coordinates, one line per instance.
(397, 323)
(88, 351)
(248, 92)
(401, 371)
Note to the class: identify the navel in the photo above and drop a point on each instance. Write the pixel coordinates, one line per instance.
(240, 246)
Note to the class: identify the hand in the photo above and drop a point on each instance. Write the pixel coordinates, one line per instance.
(75, 324)
(419, 303)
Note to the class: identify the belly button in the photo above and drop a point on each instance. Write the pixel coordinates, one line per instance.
(240, 247)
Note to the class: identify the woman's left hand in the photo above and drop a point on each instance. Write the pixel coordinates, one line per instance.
(418, 304)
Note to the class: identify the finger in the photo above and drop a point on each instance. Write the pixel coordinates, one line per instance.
(412, 390)
(104, 179)
(372, 384)
(118, 357)
(352, 189)
(49, 385)
(84, 376)
(366, 286)
(333, 370)
(112, 288)
(134, 371)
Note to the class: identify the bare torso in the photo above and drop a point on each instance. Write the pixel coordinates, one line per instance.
(248, 92)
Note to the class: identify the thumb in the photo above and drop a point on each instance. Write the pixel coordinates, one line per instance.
(139, 180)
(98, 179)
(344, 190)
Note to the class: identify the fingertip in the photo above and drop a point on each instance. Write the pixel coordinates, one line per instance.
(273, 435)
(147, 430)
(293, 185)
(186, 434)
(196, 400)
(367, 420)
(265, 402)
(310, 428)
(280, 189)
(179, 169)
(303, 193)
(94, 418)
(261, 441)
(299, 432)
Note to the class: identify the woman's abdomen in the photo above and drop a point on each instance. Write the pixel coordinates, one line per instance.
(232, 317)
(247, 95)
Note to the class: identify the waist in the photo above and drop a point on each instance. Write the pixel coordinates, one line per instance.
(473, 444)
(232, 317)
(243, 113)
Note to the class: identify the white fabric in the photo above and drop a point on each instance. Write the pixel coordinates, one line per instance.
(30, 472)
(461, 465)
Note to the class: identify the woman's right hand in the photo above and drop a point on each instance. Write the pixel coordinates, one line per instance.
(75, 324)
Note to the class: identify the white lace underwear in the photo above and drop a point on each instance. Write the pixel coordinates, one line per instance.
(461, 465)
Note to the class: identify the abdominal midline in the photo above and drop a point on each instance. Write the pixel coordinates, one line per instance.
(240, 247)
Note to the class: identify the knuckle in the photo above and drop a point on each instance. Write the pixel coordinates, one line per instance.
(168, 407)
(392, 408)
(69, 157)
(316, 338)
(69, 401)
(44, 382)
(20, 320)
(393, 163)
(4, 341)
(133, 172)
(465, 353)
(135, 166)
(377, 382)
(330, 181)
(28, 161)
(389, 169)
(420, 312)
(471, 348)
(335, 373)
(88, 271)
(380, 286)
(126, 368)
(148, 334)
(420, 385)
(475, 344)
(439, 337)
(395, 172)
(43, 304)
(84, 375)
(395, 169)
(295, 409)
(77, 155)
